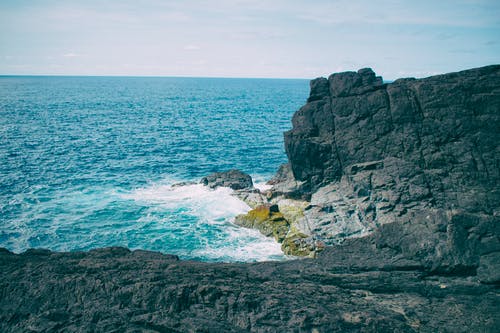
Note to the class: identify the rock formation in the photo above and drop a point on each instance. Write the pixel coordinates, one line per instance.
(354, 287)
(397, 184)
(423, 154)
(364, 154)
(234, 179)
(445, 126)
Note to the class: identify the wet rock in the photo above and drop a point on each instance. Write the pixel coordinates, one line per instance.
(252, 197)
(267, 219)
(234, 179)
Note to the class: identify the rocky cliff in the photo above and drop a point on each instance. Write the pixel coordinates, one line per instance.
(398, 183)
(420, 154)
(444, 127)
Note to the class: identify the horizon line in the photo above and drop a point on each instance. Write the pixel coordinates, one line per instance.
(155, 76)
(388, 79)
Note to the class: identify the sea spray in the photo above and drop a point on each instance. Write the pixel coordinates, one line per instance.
(212, 213)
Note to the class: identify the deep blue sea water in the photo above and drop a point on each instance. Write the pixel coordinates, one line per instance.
(87, 162)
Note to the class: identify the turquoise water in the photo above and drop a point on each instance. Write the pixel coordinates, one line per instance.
(87, 162)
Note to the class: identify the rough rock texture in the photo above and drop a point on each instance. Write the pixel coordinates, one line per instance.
(366, 153)
(445, 127)
(360, 286)
(267, 219)
(235, 179)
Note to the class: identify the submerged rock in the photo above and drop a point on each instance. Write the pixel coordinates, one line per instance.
(234, 179)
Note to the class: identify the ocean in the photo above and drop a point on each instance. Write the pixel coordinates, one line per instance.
(89, 162)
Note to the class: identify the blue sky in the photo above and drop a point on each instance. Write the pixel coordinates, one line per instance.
(247, 38)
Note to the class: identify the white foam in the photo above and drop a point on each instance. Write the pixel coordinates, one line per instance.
(198, 199)
(262, 186)
(242, 244)
(214, 210)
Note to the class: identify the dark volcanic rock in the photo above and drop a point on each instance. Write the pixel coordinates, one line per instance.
(419, 157)
(356, 287)
(445, 126)
(235, 179)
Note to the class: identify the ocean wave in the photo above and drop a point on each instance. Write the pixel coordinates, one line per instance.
(212, 213)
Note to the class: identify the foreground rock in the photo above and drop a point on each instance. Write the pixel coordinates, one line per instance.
(361, 286)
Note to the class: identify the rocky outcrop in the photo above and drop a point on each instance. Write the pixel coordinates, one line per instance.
(446, 123)
(365, 154)
(444, 127)
(360, 286)
(234, 179)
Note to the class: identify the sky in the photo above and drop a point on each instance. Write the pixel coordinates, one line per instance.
(247, 38)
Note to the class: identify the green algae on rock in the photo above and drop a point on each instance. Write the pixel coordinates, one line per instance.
(270, 221)
(267, 219)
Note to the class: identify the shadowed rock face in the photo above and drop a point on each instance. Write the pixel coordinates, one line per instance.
(412, 166)
(443, 129)
(423, 155)
(234, 179)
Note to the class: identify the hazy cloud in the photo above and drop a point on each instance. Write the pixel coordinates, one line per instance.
(252, 38)
(71, 55)
(191, 47)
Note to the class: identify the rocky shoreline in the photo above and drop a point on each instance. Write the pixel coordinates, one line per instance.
(364, 154)
(392, 188)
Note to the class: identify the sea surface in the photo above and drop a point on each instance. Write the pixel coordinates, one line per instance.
(88, 162)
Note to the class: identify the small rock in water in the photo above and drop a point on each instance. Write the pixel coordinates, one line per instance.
(234, 179)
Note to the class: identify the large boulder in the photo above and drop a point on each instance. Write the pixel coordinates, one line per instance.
(234, 179)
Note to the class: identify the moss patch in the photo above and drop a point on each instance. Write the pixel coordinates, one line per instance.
(267, 222)
(276, 224)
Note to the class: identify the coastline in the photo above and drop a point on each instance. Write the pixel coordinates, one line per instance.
(398, 203)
